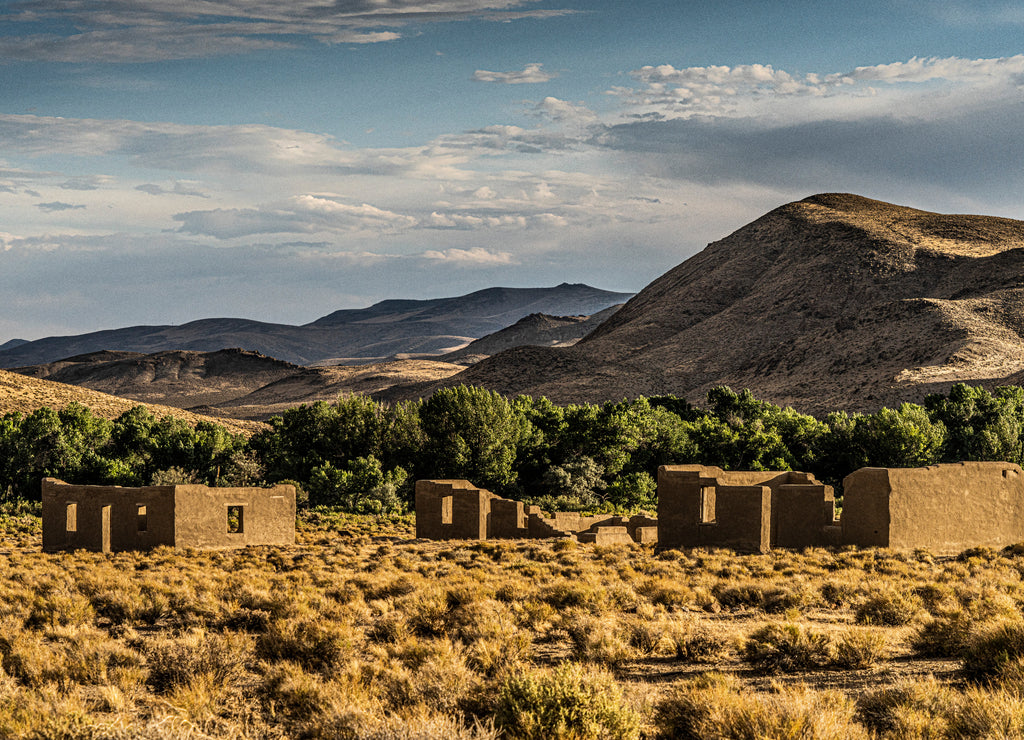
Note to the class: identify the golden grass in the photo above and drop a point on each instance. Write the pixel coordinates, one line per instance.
(24, 394)
(361, 631)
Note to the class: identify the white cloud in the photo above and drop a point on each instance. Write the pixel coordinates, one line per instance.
(746, 89)
(533, 73)
(303, 214)
(562, 110)
(475, 257)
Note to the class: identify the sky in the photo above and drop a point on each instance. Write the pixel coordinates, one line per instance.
(168, 160)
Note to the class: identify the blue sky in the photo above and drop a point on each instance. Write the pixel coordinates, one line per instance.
(167, 160)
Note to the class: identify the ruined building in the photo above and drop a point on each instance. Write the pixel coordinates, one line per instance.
(943, 508)
(112, 518)
(458, 510)
(703, 506)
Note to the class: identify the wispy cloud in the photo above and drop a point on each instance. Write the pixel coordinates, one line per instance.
(57, 206)
(533, 73)
(156, 30)
(178, 188)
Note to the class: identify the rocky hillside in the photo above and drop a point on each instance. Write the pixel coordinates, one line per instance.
(832, 302)
(385, 330)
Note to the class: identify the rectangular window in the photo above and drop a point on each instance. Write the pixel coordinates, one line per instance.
(446, 510)
(141, 518)
(236, 520)
(71, 518)
(707, 504)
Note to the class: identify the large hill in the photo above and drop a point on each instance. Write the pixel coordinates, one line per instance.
(832, 302)
(19, 393)
(386, 329)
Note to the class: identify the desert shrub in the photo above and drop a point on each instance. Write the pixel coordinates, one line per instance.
(289, 689)
(595, 639)
(907, 709)
(666, 592)
(742, 595)
(788, 647)
(174, 662)
(891, 608)
(988, 714)
(60, 608)
(715, 707)
(697, 643)
(421, 724)
(945, 636)
(860, 648)
(992, 648)
(314, 644)
(566, 703)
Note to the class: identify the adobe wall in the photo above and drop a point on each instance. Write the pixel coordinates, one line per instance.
(73, 517)
(944, 508)
(266, 516)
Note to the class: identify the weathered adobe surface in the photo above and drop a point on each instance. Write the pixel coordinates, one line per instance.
(832, 302)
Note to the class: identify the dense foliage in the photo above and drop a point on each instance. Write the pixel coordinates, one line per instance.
(363, 456)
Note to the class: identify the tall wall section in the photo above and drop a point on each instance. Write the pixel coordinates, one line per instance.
(944, 508)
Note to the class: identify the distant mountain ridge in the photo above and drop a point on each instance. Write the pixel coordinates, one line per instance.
(833, 302)
(386, 329)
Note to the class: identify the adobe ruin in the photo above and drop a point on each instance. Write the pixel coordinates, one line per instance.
(943, 508)
(458, 510)
(751, 511)
(114, 518)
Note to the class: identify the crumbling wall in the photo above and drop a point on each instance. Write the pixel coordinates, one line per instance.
(452, 510)
(456, 509)
(106, 518)
(705, 506)
(944, 508)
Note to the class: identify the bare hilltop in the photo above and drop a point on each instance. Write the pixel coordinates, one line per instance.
(832, 302)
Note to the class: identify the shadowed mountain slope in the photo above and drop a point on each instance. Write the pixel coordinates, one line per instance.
(832, 302)
(386, 329)
(536, 329)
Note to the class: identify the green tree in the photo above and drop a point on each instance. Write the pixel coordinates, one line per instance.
(471, 433)
(980, 425)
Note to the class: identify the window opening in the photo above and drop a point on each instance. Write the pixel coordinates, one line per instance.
(446, 510)
(236, 520)
(71, 518)
(142, 518)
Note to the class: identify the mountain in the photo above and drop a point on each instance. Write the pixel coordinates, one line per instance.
(832, 302)
(11, 344)
(538, 329)
(386, 329)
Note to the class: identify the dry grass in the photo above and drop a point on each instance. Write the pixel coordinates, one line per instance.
(361, 631)
(24, 394)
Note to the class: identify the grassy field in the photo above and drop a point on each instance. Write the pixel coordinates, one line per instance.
(362, 632)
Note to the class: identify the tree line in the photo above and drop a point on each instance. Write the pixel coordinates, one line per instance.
(363, 456)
